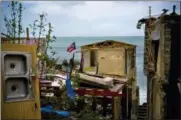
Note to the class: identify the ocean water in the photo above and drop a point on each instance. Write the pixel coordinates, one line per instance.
(61, 44)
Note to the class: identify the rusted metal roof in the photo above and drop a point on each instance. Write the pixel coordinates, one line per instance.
(108, 44)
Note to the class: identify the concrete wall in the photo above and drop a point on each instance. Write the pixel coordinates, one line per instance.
(86, 56)
(111, 61)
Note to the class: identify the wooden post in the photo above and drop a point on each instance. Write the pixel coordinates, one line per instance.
(71, 63)
(27, 33)
(81, 62)
(104, 105)
(116, 108)
(127, 102)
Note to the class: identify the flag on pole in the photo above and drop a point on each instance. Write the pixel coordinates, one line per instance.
(71, 47)
(70, 91)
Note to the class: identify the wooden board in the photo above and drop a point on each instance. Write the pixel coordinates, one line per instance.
(23, 109)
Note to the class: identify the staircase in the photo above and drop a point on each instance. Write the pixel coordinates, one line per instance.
(142, 112)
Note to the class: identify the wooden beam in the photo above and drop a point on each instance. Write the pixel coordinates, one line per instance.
(116, 108)
(97, 92)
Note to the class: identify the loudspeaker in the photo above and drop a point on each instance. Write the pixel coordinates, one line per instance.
(16, 75)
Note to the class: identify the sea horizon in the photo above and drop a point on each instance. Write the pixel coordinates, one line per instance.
(106, 36)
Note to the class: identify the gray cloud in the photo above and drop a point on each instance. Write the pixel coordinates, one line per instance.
(94, 18)
(71, 3)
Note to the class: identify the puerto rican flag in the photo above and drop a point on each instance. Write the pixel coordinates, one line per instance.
(71, 48)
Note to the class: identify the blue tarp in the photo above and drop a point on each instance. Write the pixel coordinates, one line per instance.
(49, 109)
(69, 88)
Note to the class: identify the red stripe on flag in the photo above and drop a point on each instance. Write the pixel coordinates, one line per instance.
(71, 47)
(70, 50)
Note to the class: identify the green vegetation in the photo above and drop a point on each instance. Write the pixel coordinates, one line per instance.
(46, 59)
(14, 23)
(62, 102)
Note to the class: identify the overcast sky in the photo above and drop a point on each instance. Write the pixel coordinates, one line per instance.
(92, 18)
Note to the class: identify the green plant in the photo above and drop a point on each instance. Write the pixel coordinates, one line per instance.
(76, 80)
(44, 30)
(8, 27)
(14, 23)
(34, 28)
(20, 29)
(13, 15)
(41, 26)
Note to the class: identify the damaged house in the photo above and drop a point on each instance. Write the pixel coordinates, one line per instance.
(162, 65)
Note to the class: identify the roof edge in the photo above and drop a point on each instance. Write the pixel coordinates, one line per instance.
(116, 41)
